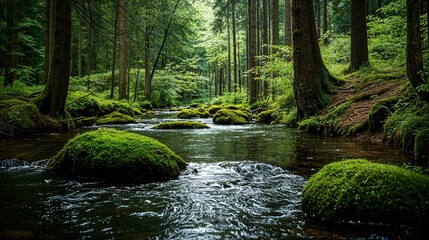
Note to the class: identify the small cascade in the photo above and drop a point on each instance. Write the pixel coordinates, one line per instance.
(14, 163)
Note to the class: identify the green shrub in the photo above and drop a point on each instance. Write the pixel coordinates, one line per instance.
(115, 118)
(187, 113)
(228, 116)
(116, 156)
(358, 190)
(181, 125)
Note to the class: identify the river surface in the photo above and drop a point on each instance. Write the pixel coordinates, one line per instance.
(242, 182)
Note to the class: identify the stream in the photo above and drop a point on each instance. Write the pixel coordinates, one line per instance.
(242, 182)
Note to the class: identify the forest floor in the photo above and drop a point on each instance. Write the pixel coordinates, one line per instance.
(353, 102)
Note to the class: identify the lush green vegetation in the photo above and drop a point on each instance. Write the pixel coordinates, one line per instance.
(358, 190)
(181, 125)
(116, 156)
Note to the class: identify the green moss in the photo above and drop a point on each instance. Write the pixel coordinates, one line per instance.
(266, 116)
(358, 190)
(137, 112)
(174, 109)
(227, 116)
(181, 125)
(377, 116)
(421, 147)
(187, 113)
(84, 121)
(214, 108)
(195, 105)
(116, 156)
(202, 112)
(115, 118)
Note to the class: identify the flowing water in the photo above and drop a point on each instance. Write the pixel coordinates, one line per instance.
(242, 182)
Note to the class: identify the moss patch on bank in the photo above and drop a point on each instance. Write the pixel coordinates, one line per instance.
(116, 156)
(358, 190)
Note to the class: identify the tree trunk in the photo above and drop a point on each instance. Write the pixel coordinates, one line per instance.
(228, 67)
(265, 36)
(88, 56)
(359, 38)
(325, 21)
(288, 26)
(115, 36)
(234, 45)
(122, 51)
(48, 6)
(312, 81)
(52, 100)
(79, 50)
(12, 47)
(317, 2)
(147, 79)
(414, 49)
(252, 50)
(216, 80)
(276, 29)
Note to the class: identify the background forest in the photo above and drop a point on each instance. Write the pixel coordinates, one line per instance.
(158, 54)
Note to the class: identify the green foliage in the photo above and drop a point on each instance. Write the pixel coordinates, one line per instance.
(115, 118)
(19, 88)
(228, 116)
(116, 156)
(421, 147)
(358, 190)
(181, 125)
(231, 98)
(377, 116)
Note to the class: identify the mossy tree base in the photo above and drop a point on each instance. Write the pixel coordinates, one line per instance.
(116, 156)
(358, 190)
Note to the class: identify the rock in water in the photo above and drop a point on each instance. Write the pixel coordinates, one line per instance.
(116, 156)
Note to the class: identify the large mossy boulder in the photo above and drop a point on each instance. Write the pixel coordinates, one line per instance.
(181, 125)
(265, 116)
(115, 118)
(358, 190)
(187, 113)
(116, 156)
(228, 116)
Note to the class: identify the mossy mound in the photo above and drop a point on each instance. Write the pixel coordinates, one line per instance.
(115, 118)
(214, 108)
(228, 116)
(116, 156)
(181, 125)
(358, 190)
(202, 112)
(265, 117)
(187, 113)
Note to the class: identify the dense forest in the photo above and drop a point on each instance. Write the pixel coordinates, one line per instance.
(250, 98)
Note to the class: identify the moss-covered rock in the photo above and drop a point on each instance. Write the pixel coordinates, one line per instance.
(116, 156)
(115, 118)
(187, 113)
(181, 125)
(358, 190)
(84, 121)
(421, 147)
(202, 112)
(228, 116)
(265, 116)
(214, 108)
(377, 116)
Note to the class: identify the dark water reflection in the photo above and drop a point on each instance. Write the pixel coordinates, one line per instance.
(242, 182)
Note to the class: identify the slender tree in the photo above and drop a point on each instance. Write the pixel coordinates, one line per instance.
(122, 51)
(234, 45)
(47, 38)
(275, 35)
(265, 37)
(414, 49)
(359, 37)
(115, 36)
(312, 81)
(252, 50)
(147, 79)
(52, 100)
(317, 5)
(12, 47)
(228, 68)
(288, 25)
(325, 20)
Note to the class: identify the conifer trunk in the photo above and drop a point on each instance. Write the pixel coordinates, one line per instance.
(252, 50)
(122, 51)
(359, 38)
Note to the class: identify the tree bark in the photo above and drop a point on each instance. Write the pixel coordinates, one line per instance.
(359, 38)
(88, 56)
(228, 67)
(317, 3)
(115, 36)
(47, 44)
(234, 45)
(12, 47)
(265, 36)
(275, 40)
(52, 100)
(252, 50)
(414, 49)
(79, 50)
(312, 81)
(325, 21)
(122, 51)
(147, 79)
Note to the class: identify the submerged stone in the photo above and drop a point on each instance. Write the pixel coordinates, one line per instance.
(228, 116)
(358, 190)
(116, 156)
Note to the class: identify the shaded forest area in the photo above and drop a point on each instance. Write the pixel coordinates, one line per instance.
(356, 68)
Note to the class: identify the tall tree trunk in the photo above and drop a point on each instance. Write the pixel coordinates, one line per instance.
(88, 56)
(359, 38)
(265, 43)
(288, 26)
(216, 79)
(47, 44)
(312, 81)
(234, 45)
(228, 68)
(12, 47)
(122, 51)
(317, 3)
(52, 100)
(427, 16)
(414, 49)
(115, 36)
(147, 79)
(275, 40)
(325, 21)
(79, 50)
(252, 50)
